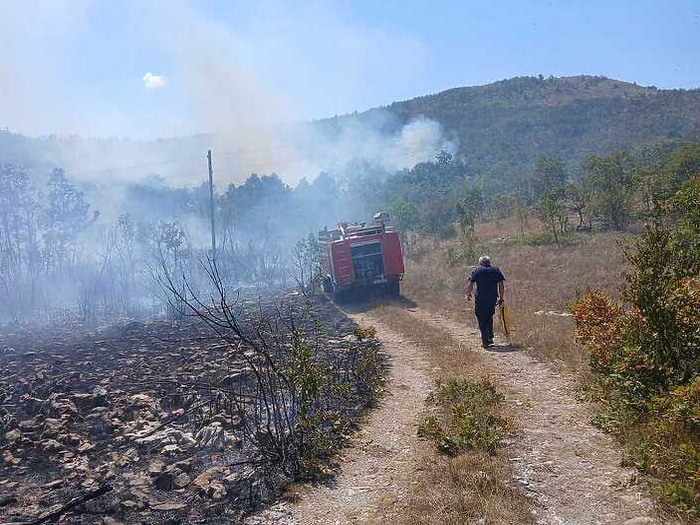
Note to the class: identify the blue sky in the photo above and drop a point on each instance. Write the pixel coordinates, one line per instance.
(78, 66)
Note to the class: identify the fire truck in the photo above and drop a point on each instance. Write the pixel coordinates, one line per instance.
(360, 261)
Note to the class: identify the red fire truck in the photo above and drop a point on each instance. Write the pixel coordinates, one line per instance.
(361, 260)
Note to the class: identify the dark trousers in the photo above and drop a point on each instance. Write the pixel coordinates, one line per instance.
(484, 314)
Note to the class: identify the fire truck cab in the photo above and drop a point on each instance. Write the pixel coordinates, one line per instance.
(361, 260)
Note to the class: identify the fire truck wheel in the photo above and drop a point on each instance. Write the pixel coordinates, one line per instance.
(393, 289)
(328, 285)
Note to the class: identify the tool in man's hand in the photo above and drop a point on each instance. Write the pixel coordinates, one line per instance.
(505, 322)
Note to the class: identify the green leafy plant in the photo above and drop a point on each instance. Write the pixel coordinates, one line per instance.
(645, 354)
(466, 417)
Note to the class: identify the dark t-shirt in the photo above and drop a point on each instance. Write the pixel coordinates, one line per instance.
(486, 279)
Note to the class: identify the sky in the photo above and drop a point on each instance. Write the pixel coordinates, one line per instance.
(148, 69)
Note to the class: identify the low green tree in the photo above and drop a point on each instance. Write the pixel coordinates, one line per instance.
(551, 210)
(612, 186)
(549, 173)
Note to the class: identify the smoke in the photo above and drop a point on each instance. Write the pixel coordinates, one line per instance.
(242, 83)
(245, 83)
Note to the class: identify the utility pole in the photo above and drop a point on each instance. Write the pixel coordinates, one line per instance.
(211, 205)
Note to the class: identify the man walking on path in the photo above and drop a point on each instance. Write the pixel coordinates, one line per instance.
(489, 293)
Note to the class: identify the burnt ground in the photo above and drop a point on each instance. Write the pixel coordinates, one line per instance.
(133, 408)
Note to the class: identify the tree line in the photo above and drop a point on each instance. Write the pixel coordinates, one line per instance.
(56, 248)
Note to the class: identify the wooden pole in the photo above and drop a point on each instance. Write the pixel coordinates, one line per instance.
(211, 204)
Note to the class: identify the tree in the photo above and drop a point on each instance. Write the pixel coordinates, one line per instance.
(612, 187)
(551, 211)
(549, 172)
(19, 243)
(66, 216)
(469, 207)
(308, 263)
(578, 198)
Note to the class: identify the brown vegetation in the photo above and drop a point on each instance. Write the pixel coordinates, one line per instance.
(644, 359)
(541, 281)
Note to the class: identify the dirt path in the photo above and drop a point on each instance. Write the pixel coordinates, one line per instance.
(380, 466)
(570, 469)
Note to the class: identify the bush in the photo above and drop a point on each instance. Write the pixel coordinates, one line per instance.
(363, 332)
(466, 417)
(645, 357)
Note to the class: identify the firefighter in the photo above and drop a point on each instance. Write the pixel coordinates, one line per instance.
(489, 293)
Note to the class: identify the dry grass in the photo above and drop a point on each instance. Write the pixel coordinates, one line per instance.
(539, 279)
(467, 489)
(473, 485)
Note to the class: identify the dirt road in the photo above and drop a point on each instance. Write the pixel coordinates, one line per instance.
(570, 469)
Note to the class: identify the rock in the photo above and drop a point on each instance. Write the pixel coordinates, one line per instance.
(54, 484)
(141, 401)
(130, 456)
(156, 467)
(206, 484)
(171, 480)
(205, 478)
(51, 445)
(107, 520)
(86, 401)
(171, 449)
(63, 406)
(90, 484)
(13, 435)
(165, 481)
(135, 499)
(11, 460)
(235, 477)
(642, 520)
(553, 313)
(143, 438)
(168, 506)
(137, 479)
(85, 447)
(214, 436)
(70, 439)
(129, 504)
(224, 421)
(100, 506)
(216, 491)
(29, 425)
(185, 465)
(182, 480)
(100, 392)
(183, 439)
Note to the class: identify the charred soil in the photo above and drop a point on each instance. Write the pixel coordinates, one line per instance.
(137, 414)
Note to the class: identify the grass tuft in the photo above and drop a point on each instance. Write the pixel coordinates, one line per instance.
(466, 417)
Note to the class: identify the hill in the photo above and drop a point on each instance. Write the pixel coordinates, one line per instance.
(498, 128)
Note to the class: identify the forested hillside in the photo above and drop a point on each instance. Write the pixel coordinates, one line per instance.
(499, 128)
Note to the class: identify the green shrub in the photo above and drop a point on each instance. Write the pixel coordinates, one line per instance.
(466, 417)
(645, 356)
(362, 332)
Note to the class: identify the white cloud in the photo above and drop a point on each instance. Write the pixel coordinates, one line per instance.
(153, 81)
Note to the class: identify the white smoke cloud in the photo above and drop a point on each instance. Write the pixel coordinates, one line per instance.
(245, 88)
(153, 81)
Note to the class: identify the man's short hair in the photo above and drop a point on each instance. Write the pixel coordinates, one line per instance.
(484, 260)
